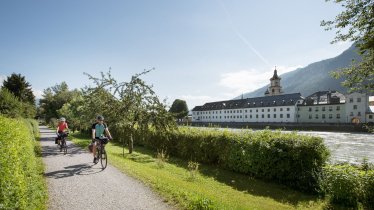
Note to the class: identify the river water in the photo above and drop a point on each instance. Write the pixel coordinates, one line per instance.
(347, 147)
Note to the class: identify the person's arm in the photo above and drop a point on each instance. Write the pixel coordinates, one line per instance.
(108, 133)
(93, 133)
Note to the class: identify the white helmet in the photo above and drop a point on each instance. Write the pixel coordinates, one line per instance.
(62, 119)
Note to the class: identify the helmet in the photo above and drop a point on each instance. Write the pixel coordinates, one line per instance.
(100, 117)
(62, 119)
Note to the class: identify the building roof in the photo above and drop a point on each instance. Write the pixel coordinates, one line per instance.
(266, 101)
(275, 76)
(326, 97)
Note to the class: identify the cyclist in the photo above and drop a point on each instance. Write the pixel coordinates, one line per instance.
(98, 130)
(61, 128)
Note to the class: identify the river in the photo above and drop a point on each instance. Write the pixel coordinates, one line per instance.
(347, 147)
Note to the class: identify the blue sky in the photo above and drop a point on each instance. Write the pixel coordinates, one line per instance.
(202, 50)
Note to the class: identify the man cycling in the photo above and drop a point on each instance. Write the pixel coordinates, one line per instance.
(98, 130)
(61, 128)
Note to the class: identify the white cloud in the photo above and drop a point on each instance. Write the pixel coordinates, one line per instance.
(37, 93)
(248, 80)
(2, 78)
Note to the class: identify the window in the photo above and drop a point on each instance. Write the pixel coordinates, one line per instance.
(241, 111)
(240, 117)
(358, 99)
(256, 115)
(298, 116)
(263, 116)
(268, 110)
(351, 114)
(359, 114)
(246, 116)
(250, 111)
(298, 108)
(263, 110)
(337, 116)
(310, 116)
(338, 108)
(275, 109)
(350, 100)
(245, 111)
(275, 116)
(250, 116)
(323, 108)
(281, 109)
(316, 109)
(234, 111)
(224, 112)
(288, 109)
(268, 115)
(316, 116)
(370, 116)
(330, 108)
(354, 106)
(256, 110)
(288, 115)
(323, 116)
(310, 109)
(330, 116)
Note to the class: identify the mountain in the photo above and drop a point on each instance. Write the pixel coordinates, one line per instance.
(314, 77)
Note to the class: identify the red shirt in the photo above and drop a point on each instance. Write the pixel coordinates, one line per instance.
(62, 126)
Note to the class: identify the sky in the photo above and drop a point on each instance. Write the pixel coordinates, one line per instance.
(202, 50)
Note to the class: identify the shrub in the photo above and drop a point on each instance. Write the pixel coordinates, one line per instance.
(287, 158)
(349, 185)
(21, 185)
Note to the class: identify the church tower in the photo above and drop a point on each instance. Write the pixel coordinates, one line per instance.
(275, 88)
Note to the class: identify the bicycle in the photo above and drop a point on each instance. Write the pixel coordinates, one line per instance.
(101, 153)
(63, 146)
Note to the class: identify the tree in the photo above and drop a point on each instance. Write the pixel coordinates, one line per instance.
(53, 100)
(132, 107)
(11, 106)
(16, 84)
(356, 23)
(179, 109)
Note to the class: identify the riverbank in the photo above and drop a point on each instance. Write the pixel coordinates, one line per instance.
(346, 127)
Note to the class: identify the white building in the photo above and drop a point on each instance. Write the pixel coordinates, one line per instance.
(276, 107)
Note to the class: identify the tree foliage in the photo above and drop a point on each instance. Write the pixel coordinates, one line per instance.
(179, 108)
(356, 23)
(11, 106)
(54, 99)
(130, 106)
(17, 84)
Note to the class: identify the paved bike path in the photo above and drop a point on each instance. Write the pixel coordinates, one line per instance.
(74, 182)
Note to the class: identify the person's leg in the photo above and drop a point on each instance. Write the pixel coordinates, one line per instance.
(94, 151)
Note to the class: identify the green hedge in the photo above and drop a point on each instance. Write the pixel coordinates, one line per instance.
(287, 158)
(348, 185)
(21, 183)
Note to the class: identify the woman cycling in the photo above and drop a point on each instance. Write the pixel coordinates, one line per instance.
(61, 128)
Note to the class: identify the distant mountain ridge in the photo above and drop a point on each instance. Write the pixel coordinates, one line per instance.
(314, 77)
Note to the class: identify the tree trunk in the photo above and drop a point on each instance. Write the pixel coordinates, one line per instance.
(131, 144)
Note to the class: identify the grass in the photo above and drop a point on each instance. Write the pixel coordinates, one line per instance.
(211, 187)
(41, 169)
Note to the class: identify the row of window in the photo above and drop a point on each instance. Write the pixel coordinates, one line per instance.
(245, 116)
(351, 100)
(323, 108)
(323, 116)
(237, 111)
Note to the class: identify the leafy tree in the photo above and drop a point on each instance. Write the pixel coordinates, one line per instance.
(132, 108)
(16, 84)
(179, 108)
(356, 23)
(11, 106)
(53, 100)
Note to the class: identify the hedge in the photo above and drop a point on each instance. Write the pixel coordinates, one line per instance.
(287, 158)
(348, 185)
(21, 183)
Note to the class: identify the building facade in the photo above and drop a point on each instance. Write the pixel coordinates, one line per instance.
(276, 107)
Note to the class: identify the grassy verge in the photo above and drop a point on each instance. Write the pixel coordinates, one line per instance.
(208, 187)
(40, 170)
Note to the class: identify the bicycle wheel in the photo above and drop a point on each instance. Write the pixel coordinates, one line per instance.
(103, 158)
(97, 155)
(65, 147)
